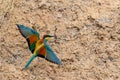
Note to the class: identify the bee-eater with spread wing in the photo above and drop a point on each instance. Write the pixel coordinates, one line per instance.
(39, 47)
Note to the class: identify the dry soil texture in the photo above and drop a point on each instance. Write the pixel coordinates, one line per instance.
(87, 39)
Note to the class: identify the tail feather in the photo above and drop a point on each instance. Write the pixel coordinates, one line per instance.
(30, 60)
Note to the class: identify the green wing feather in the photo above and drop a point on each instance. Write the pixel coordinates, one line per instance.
(50, 55)
(31, 36)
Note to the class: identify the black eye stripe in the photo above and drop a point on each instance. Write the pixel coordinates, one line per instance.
(46, 36)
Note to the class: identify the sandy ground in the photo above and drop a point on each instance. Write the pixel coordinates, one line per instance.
(87, 39)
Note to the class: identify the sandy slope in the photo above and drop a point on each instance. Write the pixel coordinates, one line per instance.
(87, 42)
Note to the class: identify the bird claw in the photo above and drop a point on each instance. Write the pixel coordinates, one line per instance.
(39, 59)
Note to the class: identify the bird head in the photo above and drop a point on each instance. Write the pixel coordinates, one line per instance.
(47, 37)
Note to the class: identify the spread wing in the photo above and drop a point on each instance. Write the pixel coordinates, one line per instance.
(50, 55)
(31, 35)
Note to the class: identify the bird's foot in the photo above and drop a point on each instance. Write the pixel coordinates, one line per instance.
(39, 59)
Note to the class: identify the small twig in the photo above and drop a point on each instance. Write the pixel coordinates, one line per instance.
(55, 32)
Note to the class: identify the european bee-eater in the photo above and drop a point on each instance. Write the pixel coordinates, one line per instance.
(39, 47)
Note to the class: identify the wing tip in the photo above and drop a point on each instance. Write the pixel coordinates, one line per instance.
(58, 62)
(19, 25)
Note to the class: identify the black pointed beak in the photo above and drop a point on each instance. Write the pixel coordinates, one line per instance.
(52, 36)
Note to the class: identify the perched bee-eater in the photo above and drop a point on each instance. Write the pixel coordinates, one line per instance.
(39, 47)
